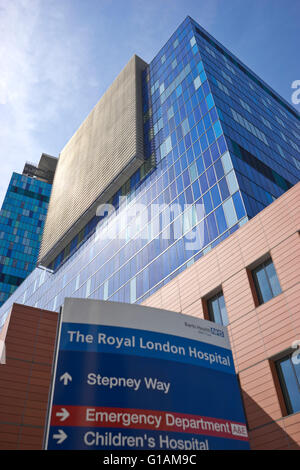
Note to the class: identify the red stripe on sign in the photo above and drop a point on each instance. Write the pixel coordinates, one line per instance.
(127, 418)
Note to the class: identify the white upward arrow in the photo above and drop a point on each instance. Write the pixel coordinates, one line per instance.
(63, 413)
(60, 437)
(66, 378)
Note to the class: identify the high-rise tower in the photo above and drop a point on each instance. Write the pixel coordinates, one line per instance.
(180, 190)
(194, 128)
(22, 219)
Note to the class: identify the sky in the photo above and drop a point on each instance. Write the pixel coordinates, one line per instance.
(58, 57)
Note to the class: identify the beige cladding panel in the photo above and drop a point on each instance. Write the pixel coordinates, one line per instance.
(108, 141)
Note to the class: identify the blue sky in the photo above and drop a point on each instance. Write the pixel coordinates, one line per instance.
(59, 56)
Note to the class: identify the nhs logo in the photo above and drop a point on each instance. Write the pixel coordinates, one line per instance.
(216, 331)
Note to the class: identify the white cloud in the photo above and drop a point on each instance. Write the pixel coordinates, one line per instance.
(42, 67)
(58, 57)
(16, 117)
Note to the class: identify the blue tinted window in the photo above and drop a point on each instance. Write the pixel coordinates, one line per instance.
(177, 119)
(205, 232)
(189, 195)
(183, 161)
(180, 251)
(227, 164)
(165, 179)
(219, 169)
(266, 281)
(211, 176)
(197, 114)
(223, 310)
(229, 212)
(194, 134)
(203, 77)
(179, 184)
(210, 136)
(239, 206)
(178, 90)
(221, 221)
(200, 66)
(196, 190)
(213, 114)
(207, 158)
(203, 107)
(190, 116)
(200, 165)
(222, 144)
(171, 174)
(207, 203)
(181, 200)
(193, 171)
(187, 140)
(186, 178)
(289, 376)
(196, 148)
(217, 128)
(232, 182)
(262, 285)
(181, 147)
(203, 183)
(217, 309)
(224, 189)
(200, 127)
(205, 87)
(273, 279)
(214, 151)
(209, 101)
(203, 142)
(177, 167)
(212, 226)
(200, 94)
(173, 191)
(206, 121)
(190, 155)
(215, 194)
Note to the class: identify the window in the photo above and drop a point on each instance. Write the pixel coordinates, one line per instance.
(266, 281)
(229, 211)
(197, 83)
(105, 290)
(193, 41)
(232, 182)
(133, 290)
(227, 163)
(217, 309)
(288, 371)
(88, 287)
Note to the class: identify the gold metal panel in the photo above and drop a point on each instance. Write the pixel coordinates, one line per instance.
(103, 153)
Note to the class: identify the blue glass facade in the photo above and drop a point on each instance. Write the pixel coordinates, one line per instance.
(261, 130)
(22, 220)
(210, 151)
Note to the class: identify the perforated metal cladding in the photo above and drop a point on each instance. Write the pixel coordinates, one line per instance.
(107, 147)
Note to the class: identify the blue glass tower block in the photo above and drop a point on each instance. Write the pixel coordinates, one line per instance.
(225, 146)
(22, 218)
(262, 131)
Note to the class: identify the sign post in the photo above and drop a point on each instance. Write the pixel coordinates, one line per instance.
(140, 378)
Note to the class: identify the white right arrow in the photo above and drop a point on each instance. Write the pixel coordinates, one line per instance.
(63, 413)
(65, 378)
(60, 437)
